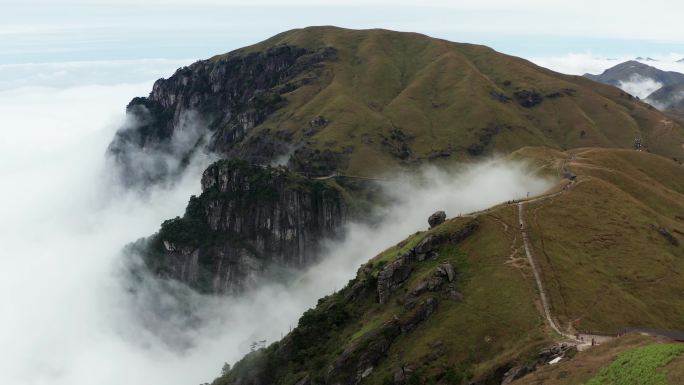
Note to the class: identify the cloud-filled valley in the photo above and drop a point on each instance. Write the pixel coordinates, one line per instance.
(69, 318)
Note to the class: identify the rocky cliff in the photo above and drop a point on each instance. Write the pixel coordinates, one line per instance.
(212, 103)
(247, 219)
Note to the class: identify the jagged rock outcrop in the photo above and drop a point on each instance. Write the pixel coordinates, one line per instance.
(247, 218)
(223, 97)
(394, 273)
(443, 274)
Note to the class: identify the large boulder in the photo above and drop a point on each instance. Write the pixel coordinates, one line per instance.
(437, 218)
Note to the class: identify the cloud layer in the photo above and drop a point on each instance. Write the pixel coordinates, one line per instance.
(70, 74)
(581, 63)
(640, 86)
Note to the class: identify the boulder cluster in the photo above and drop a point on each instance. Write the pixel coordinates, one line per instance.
(394, 273)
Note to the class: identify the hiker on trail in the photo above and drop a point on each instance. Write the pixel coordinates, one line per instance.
(528, 194)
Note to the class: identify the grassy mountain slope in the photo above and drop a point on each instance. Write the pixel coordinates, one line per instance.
(463, 338)
(406, 95)
(604, 267)
(380, 99)
(605, 262)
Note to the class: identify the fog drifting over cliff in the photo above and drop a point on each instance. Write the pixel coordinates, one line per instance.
(67, 317)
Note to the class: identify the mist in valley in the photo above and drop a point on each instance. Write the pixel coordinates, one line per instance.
(69, 314)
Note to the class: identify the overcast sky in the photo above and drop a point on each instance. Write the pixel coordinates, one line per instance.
(73, 30)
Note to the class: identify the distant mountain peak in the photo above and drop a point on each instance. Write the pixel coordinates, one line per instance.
(634, 71)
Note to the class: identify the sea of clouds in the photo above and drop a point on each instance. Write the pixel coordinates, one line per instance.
(68, 317)
(640, 86)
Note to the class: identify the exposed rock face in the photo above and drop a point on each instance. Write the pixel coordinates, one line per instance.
(393, 274)
(437, 218)
(229, 95)
(396, 272)
(666, 234)
(246, 219)
(447, 270)
(528, 99)
(426, 247)
(445, 273)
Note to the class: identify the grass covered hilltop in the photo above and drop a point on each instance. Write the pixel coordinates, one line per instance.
(367, 101)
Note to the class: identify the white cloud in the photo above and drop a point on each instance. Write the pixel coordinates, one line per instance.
(640, 86)
(67, 74)
(581, 63)
(577, 63)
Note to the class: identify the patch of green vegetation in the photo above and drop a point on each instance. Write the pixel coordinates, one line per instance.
(639, 366)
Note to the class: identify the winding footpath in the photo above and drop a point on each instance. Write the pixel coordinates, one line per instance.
(535, 270)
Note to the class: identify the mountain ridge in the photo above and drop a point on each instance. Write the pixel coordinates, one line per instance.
(625, 72)
(388, 100)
